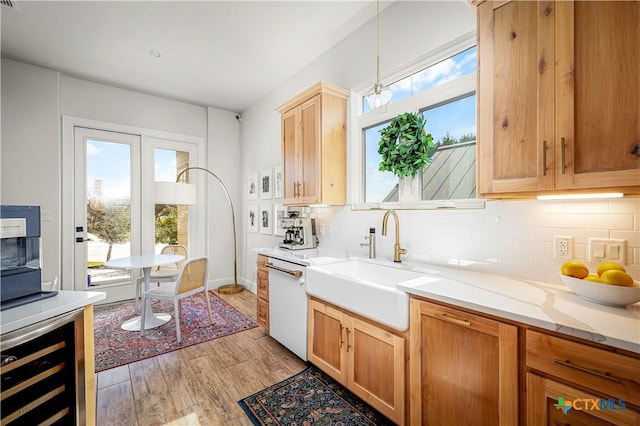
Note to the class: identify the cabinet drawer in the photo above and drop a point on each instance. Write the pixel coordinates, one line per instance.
(262, 313)
(263, 284)
(603, 371)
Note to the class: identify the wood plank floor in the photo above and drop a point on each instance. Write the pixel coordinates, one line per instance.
(197, 385)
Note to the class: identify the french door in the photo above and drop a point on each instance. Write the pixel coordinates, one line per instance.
(108, 174)
(107, 209)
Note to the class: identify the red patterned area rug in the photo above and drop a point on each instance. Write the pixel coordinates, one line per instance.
(115, 347)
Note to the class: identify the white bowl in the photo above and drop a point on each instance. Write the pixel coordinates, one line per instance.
(605, 294)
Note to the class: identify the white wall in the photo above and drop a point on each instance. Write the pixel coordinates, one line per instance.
(31, 151)
(223, 160)
(512, 238)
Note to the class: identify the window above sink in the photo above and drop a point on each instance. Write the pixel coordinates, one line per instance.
(441, 87)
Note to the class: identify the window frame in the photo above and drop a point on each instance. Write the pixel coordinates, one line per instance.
(443, 93)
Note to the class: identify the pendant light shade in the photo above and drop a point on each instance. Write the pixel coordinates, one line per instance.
(379, 97)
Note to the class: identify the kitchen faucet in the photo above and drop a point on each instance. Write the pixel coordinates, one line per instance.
(397, 250)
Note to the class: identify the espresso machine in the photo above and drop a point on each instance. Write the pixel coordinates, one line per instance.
(299, 234)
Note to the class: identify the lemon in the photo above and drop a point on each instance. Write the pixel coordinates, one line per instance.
(593, 277)
(615, 277)
(609, 265)
(574, 269)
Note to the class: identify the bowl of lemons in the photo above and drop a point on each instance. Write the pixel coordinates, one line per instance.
(609, 285)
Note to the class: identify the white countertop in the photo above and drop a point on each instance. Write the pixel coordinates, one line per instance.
(305, 257)
(547, 306)
(31, 313)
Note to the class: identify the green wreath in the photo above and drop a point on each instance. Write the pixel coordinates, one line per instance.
(405, 146)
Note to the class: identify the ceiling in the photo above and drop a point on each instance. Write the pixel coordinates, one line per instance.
(224, 54)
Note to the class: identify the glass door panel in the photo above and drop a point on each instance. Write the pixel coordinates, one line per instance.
(171, 221)
(107, 209)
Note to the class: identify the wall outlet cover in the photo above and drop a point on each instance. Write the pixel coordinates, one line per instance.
(562, 246)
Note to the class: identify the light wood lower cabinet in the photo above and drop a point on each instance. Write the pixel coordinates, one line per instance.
(262, 282)
(546, 398)
(365, 358)
(463, 368)
(599, 385)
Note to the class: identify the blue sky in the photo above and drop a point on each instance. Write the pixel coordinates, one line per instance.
(111, 163)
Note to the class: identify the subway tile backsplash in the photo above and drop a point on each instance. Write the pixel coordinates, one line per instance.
(511, 238)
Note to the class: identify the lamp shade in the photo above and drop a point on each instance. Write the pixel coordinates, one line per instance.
(175, 193)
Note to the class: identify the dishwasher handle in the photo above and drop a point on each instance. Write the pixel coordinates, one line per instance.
(286, 271)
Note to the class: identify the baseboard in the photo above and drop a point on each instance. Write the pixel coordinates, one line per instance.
(248, 285)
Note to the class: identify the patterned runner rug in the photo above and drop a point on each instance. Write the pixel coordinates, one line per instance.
(115, 346)
(309, 398)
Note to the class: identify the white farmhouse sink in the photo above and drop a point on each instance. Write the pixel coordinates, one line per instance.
(366, 287)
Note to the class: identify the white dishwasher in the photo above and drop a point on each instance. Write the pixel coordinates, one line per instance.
(288, 305)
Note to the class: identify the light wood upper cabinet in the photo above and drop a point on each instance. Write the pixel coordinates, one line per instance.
(559, 97)
(463, 368)
(314, 146)
(367, 359)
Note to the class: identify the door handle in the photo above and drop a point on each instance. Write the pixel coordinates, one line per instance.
(286, 271)
(81, 239)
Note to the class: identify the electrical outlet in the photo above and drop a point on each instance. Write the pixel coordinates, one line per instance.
(607, 249)
(562, 247)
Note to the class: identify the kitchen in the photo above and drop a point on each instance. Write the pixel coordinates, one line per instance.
(510, 238)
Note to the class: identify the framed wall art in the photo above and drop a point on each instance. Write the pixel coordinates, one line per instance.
(252, 186)
(266, 184)
(252, 218)
(264, 218)
(278, 182)
(279, 212)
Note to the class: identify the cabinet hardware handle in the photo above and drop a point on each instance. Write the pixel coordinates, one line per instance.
(444, 317)
(348, 344)
(563, 148)
(569, 364)
(286, 271)
(341, 340)
(544, 158)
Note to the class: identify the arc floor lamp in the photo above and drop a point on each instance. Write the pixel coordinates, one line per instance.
(183, 193)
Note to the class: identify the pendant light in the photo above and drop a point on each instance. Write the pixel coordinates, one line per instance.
(378, 97)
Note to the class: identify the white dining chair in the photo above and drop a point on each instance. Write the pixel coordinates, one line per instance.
(192, 279)
(163, 274)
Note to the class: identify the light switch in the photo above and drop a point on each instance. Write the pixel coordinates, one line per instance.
(606, 249)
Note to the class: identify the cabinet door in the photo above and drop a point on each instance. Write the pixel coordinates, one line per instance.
(376, 367)
(516, 96)
(289, 155)
(463, 358)
(598, 102)
(309, 151)
(325, 341)
(544, 408)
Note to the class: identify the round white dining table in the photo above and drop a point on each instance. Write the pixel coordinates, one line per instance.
(145, 262)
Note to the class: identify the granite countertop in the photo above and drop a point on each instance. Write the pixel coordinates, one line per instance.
(546, 306)
(31, 313)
